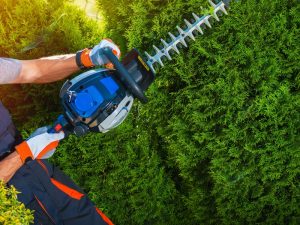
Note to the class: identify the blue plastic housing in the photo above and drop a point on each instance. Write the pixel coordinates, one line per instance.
(88, 100)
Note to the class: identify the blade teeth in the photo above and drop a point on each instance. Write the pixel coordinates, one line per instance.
(168, 56)
(180, 30)
(206, 21)
(159, 54)
(166, 49)
(208, 24)
(196, 17)
(212, 4)
(152, 68)
(199, 29)
(183, 33)
(164, 42)
(189, 25)
(183, 42)
(222, 8)
(148, 55)
(192, 36)
(216, 16)
(172, 36)
(175, 49)
(156, 49)
(160, 62)
(150, 61)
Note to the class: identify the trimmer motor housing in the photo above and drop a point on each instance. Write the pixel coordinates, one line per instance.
(100, 99)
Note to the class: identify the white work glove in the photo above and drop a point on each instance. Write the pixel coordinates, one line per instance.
(94, 57)
(40, 145)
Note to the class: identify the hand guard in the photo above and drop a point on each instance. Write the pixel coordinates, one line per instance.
(94, 57)
(40, 145)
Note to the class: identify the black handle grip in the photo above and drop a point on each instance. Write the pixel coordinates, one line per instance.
(124, 76)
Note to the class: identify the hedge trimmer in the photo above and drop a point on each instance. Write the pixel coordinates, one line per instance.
(100, 99)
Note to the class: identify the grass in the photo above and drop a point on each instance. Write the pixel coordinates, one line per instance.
(90, 7)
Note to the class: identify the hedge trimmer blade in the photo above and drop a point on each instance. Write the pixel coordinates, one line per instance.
(191, 30)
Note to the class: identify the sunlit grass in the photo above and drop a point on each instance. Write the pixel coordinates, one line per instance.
(90, 7)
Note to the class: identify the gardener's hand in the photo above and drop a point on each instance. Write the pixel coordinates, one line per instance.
(94, 57)
(40, 145)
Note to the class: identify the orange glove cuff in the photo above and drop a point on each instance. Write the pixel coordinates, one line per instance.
(85, 58)
(24, 151)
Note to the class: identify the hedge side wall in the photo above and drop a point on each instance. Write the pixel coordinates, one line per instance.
(218, 142)
(224, 116)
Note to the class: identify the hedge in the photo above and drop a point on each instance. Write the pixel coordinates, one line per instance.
(224, 116)
(218, 142)
(11, 210)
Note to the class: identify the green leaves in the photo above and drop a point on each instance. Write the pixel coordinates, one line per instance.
(226, 111)
(11, 210)
(218, 142)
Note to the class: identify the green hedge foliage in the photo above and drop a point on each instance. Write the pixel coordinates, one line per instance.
(218, 142)
(11, 210)
(224, 116)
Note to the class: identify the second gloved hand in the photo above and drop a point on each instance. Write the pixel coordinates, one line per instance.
(40, 145)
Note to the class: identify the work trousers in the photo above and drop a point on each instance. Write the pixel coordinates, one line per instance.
(54, 197)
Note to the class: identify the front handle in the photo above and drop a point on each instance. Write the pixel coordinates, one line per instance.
(59, 125)
(124, 76)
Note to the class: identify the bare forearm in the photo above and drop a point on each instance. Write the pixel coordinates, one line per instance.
(9, 165)
(46, 70)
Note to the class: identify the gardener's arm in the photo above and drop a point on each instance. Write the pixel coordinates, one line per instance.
(40, 145)
(50, 69)
(9, 166)
(47, 69)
